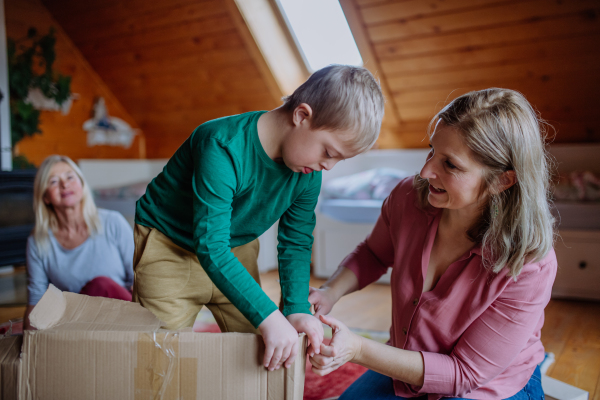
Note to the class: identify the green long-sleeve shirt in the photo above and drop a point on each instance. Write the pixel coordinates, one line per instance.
(221, 190)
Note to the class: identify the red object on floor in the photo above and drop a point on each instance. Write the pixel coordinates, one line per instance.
(103, 286)
(15, 327)
(206, 327)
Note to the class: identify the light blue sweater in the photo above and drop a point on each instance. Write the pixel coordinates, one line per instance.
(109, 253)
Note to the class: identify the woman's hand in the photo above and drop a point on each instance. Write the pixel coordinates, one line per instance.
(322, 299)
(281, 341)
(342, 282)
(344, 347)
(312, 327)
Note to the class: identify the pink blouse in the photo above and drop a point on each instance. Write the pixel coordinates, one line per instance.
(478, 332)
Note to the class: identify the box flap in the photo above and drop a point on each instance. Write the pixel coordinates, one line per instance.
(49, 310)
(70, 311)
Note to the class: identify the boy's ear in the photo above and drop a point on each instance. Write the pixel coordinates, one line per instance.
(302, 113)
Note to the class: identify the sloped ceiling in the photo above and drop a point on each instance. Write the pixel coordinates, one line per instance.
(173, 64)
(429, 52)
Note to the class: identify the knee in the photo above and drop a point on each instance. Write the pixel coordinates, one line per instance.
(101, 281)
(103, 286)
(99, 284)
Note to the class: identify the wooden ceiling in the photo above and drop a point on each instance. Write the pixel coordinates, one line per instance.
(429, 52)
(174, 64)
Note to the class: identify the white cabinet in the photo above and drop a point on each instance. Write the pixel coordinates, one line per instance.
(578, 255)
(334, 240)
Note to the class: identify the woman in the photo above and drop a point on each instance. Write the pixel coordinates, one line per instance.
(470, 241)
(75, 246)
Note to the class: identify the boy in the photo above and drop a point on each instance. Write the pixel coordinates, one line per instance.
(198, 222)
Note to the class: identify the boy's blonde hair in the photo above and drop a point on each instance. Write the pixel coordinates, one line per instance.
(45, 217)
(505, 133)
(342, 97)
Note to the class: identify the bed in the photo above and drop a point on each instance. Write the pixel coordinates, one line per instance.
(344, 223)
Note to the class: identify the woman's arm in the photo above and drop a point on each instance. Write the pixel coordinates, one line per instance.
(342, 282)
(123, 239)
(403, 365)
(37, 279)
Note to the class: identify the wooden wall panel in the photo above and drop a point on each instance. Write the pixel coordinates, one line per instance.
(431, 52)
(173, 64)
(63, 134)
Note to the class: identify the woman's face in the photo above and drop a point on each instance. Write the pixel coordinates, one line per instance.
(64, 187)
(455, 177)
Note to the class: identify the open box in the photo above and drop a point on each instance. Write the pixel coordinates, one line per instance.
(97, 348)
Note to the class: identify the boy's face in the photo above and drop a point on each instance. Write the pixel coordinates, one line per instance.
(307, 150)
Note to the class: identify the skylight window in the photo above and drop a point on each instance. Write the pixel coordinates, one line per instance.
(321, 32)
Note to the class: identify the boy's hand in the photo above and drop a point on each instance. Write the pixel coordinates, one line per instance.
(312, 327)
(323, 300)
(344, 347)
(281, 341)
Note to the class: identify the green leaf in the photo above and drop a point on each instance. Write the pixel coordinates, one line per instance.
(22, 54)
(21, 162)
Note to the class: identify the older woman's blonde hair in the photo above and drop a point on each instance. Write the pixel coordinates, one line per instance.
(45, 217)
(505, 133)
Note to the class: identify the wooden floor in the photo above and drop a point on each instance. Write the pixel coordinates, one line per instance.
(571, 330)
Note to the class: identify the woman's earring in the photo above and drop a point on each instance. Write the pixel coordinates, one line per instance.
(494, 208)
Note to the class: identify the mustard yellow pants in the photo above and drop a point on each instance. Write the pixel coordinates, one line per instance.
(170, 282)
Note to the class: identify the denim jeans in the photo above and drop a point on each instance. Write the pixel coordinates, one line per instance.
(374, 386)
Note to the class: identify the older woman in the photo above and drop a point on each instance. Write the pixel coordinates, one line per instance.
(75, 246)
(469, 241)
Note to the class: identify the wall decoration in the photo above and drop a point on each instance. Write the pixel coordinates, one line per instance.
(39, 101)
(30, 61)
(103, 129)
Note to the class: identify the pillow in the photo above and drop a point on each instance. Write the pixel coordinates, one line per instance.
(374, 184)
(578, 186)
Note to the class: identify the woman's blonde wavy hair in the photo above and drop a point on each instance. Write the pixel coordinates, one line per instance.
(45, 217)
(505, 133)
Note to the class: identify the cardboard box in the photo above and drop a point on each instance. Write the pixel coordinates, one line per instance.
(10, 363)
(96, 348)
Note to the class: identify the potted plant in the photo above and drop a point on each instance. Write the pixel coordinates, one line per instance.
(30, 62)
